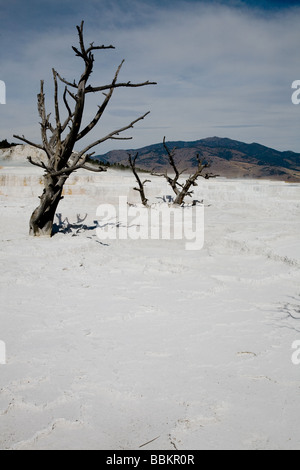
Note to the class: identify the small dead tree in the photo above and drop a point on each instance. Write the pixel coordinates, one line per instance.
(173, 181)
(140, 189)
(61, 160)
(183, 190)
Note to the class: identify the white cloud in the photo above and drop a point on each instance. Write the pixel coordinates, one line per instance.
(220, 71)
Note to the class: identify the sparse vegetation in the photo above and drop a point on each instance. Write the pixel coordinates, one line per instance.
(4, 144)
(116, 165)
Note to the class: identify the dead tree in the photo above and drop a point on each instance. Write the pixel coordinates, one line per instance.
(191, 181)
(140, 189)
(173, 181)
(183, 190)
(60, 158)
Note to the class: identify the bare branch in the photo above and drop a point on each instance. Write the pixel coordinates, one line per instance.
(207, 176)
(97, 48)
(45, 123)
(70, 114)
(49, 125)
(140, 189)
(153, 173)
(171, 154)
(91, 89)
(112, 135)
(173, 182)
(66, 82)
(28, 142)
(80, 34)
(96, 170)
(41, 164)
(66, 102)
(68, 169)
(121, 138)
(71, 169)
(79, 54)
(102, 108)
(191, 181)
(56, 106)
(72, 95)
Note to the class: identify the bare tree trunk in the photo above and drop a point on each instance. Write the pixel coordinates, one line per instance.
(173, 181)
(141, 184)
(41, 221)
(60, 158)
(183, 190)
(191, 181)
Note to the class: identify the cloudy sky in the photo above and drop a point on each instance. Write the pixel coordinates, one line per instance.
(224, 68)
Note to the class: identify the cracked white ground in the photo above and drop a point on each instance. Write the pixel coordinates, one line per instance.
(142, 344)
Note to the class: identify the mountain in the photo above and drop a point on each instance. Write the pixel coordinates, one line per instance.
(228, 158)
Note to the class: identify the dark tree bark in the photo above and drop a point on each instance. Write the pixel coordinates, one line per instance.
(191, 181)
(183, 190)
(140, 189)
(41, 220)
(59, 140)
(173, 181)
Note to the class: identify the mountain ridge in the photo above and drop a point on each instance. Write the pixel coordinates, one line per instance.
(228, 157)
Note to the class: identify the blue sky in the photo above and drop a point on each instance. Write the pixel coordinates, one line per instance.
(223, 68)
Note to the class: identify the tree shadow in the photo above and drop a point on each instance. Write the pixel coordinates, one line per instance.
(63, 225)
(166, 199)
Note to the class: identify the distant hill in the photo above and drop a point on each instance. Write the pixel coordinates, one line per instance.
(229, 158)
